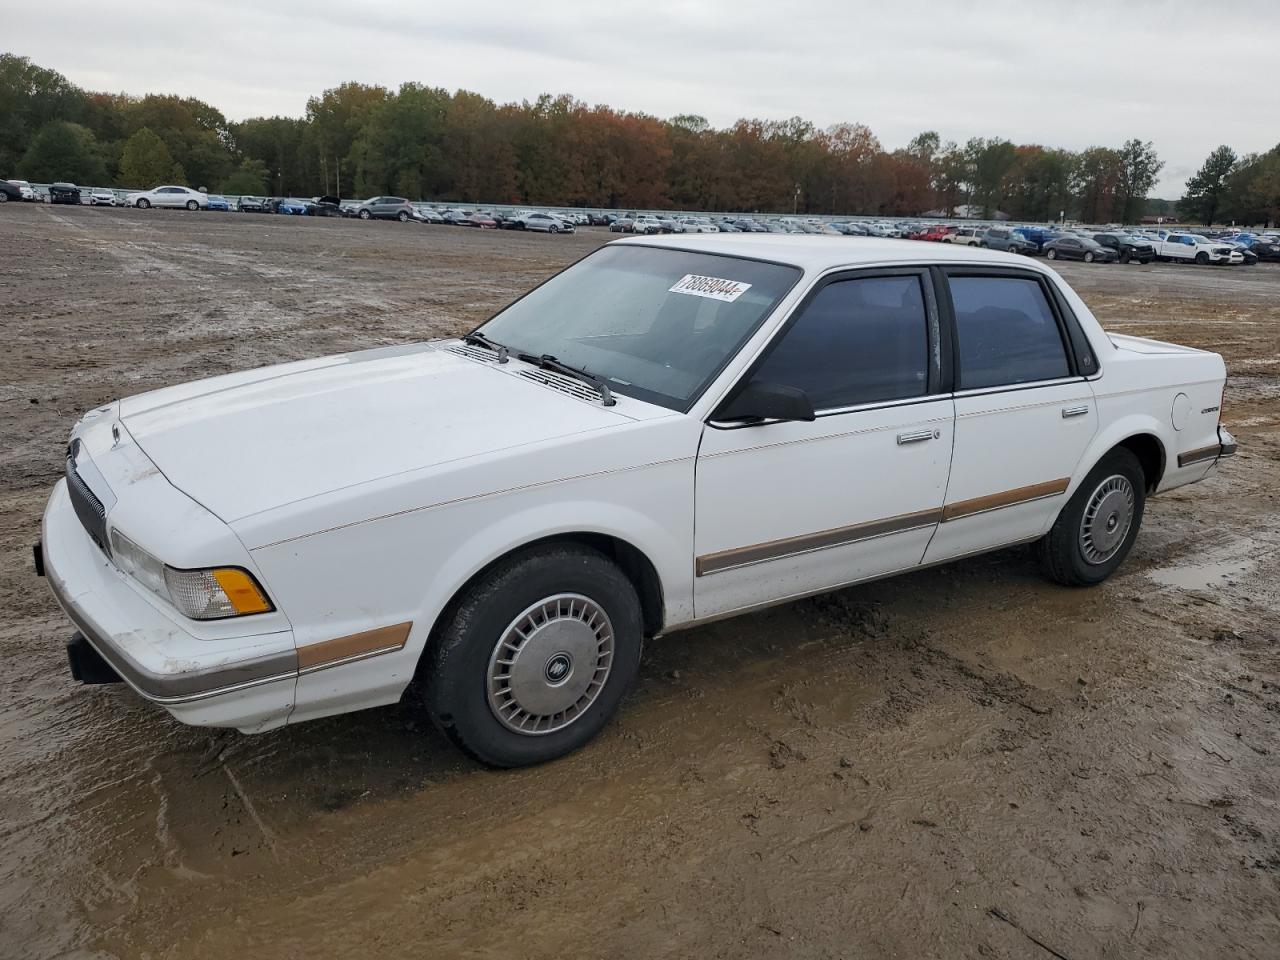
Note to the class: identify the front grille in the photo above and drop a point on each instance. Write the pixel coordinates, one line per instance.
(575, 388)
(88, 508)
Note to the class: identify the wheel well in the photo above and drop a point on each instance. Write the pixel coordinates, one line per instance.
(1150, 454)
(638, 568)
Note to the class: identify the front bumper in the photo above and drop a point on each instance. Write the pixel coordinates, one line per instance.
(246, 682)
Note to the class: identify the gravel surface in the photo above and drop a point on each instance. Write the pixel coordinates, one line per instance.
(961, 762)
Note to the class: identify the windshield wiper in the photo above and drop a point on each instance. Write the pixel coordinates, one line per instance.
(479, 339)
(547, 362)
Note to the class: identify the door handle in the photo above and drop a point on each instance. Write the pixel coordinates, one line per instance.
(1080, 411)
(917, 436)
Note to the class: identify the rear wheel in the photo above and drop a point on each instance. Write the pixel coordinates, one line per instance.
(1096, 529)
(1088, 256)
(534, 659)
(192, 205)
(1051, 254)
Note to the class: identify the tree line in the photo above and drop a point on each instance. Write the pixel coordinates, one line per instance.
(426, 143)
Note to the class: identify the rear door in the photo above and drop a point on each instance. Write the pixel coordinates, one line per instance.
(1025, 411)
(783, 509)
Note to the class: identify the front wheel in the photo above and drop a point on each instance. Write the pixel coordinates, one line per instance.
(1202, 258)
(365, 215)
(1096, 529)
(144, 204)
(534, 659)
(553, 228)
(1052, 254)
(403, 217)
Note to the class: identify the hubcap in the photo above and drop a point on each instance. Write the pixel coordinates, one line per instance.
(550, 664)
(1107, 519)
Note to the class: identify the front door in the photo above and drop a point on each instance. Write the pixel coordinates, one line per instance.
(784, 509)
(1024, 414)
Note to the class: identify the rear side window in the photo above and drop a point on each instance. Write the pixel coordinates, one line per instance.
(1007, 332)
(858, 341)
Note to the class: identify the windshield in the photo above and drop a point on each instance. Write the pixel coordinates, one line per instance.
(657, 324)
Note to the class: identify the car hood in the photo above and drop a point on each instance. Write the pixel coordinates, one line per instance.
(245, 443)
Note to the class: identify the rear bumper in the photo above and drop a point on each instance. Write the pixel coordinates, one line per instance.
(246, 682)
(1225, 447)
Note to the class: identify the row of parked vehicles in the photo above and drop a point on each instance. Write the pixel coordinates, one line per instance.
(1089, 244)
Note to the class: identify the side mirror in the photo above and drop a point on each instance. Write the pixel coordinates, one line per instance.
(761, 400)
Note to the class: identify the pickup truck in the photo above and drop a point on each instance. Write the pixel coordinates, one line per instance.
(655, 438)
(1193, 248)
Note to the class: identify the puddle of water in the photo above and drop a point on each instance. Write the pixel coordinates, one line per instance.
(1200, 576)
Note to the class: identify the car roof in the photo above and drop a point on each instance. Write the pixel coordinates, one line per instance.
(816, 252)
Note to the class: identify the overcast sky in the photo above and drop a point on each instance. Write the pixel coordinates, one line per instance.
(1068, 74)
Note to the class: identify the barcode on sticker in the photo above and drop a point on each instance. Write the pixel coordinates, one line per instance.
(714, 288)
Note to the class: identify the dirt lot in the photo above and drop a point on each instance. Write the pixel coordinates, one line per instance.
(961, 762)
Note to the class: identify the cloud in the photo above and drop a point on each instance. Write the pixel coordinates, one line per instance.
(1069, 75)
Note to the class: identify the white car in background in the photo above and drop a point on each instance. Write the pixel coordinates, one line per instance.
(695, 225)
(27, 192)
(169, 197)
(544, 222)
(102, 198)
(1193, 248)
(646, 223)
(966, 236)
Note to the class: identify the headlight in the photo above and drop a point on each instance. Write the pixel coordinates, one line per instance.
(209, 594)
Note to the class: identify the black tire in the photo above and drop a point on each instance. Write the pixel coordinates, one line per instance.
(455, 670)
(1202, 258)
(192, 205)
(1124, 256)
(403, 217)
(1051, 254)
(365, 215)
(144, 204)
(1063, 553)
(4, 197)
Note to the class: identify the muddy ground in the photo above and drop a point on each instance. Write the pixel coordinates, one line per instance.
(963, 762)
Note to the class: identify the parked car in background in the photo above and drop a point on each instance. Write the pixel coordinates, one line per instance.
(936, 233)
(621, 225)
(64, 193)
(544, 223)
(432, 215)
(696, 225)
(1003, 238)
(1128, 248)
(219, 203)
(1265, 249)
(326, 206)
(26, 192)
(1245, 250)
(653, 439)
(965, 236)
(454, 217)
(386, 208)
(252, 205)
(287, 206)
(169, 196)
(10, 191)
(647, 223)
(1079, 248)
(599, 219)
(1039, 235)
(1193, 248)
(483, 221)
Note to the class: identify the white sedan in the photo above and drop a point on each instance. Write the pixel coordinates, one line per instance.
(169, 197)
(696, 225)
(654, 438)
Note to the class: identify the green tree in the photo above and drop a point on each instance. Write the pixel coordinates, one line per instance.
(146, 162)
(30, 97)
(64, 151)
(1205, 190)
(249, 179)
(1138, 171)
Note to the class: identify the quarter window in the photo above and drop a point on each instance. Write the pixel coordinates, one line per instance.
(1007, 332)
(858, 341)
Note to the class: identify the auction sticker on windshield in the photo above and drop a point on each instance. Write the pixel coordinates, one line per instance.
(711, 287)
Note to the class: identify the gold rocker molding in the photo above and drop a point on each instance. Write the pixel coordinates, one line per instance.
(1199, 455)
(841, 536)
